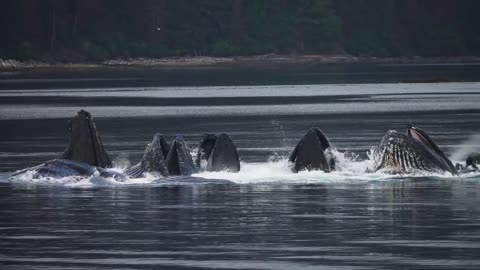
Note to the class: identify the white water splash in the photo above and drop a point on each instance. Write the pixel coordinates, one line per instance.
(471, 145)
(78, 181)
(281, 172)
(276, 170)
(122, 161)
(349, 170)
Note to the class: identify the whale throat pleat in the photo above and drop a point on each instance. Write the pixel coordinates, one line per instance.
(135, 171)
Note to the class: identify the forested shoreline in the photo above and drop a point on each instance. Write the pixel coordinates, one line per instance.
(97, 30)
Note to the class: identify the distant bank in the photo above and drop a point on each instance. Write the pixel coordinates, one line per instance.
(260, 61)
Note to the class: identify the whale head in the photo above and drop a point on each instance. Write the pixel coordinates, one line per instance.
(412, 152)
(85, 143)
(423, 138)
(311, 152)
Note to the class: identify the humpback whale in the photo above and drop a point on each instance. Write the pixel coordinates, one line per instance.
(205, 148)
(85, 156)
(153, 160)
(58, 168)
(470, 163)
(179, 160)
(472, 160)
(85, 144)
(313, 153)
(412, 152)
(164, 160)
(220, 153)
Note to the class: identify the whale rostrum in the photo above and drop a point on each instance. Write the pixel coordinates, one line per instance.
(85, 143)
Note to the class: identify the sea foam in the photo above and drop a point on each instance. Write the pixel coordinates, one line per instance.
(275, 170)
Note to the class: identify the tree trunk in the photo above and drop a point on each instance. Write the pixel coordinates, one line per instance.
(74, 12)
(157, 28)
(53, 29)
(408, 22)
(236, 23)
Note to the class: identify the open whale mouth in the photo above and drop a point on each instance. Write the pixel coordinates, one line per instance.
(312, 152)
(205, 149)
(422, 137)
(83, 129)
(85, 143)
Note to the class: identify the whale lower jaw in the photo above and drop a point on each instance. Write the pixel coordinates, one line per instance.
(59, 168)
(136, 171)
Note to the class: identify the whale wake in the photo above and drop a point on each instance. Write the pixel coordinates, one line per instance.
(277, 170)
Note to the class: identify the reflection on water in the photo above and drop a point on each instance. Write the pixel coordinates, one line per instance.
(268, 218)
(396, 225)
(292, 75)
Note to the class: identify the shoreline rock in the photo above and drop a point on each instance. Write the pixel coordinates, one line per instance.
(268, 60)
(9, 64)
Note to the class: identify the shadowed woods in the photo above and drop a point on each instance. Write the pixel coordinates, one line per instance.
(75, 31)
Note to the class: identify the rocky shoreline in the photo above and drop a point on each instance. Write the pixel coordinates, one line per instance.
(270, 60)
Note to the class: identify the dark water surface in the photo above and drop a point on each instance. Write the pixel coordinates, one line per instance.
(266, 217)
(233, 76)
(398, 224)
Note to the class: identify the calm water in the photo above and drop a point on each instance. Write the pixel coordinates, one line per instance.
(265, 217)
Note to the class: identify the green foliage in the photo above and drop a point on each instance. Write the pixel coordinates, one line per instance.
(268, 28)
(24, 51)
(114, 45)
(474, 45)
(373, 44)
(99, 30)
(94, 52)
(3, 53)
(442, 42)
(224, 48)
(157, 50)
(317, 27)
(117, 45)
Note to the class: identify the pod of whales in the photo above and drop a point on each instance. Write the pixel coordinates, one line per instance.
(409, 153)
(85, 155)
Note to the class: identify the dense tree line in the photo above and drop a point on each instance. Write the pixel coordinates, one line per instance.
(99, 29)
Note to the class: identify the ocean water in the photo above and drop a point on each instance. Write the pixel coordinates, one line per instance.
(264, 217)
